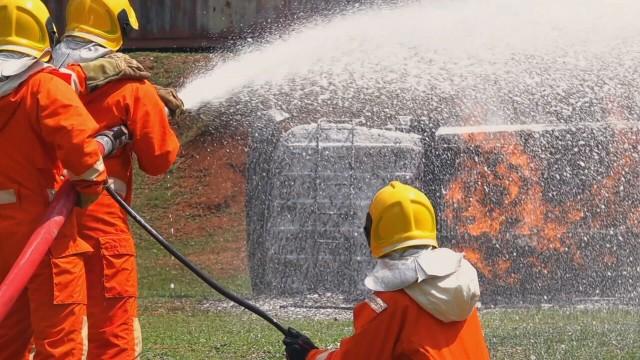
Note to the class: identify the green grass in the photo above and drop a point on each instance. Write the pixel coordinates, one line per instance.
(176, 327)
(163, 277)
(185, 332)
(197, 334)
(563, 333)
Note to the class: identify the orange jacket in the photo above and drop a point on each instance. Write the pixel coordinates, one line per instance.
(136, 105)
(43, 128)
(391, 325)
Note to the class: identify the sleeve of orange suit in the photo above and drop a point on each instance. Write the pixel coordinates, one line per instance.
(154, 142)
(66, 124)
(81, 77)
(378, 336)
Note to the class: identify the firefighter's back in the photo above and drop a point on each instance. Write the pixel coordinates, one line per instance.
(30, 171)
(423, 336)
(136, 105)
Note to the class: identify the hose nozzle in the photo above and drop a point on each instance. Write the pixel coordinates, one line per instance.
(113, 139)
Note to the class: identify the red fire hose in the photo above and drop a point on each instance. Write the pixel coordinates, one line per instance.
(36, 247)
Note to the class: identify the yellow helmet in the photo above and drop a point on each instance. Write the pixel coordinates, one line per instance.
(400, 216)
(26, 27)
(105, 22)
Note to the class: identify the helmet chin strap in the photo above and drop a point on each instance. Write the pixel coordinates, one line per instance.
(54, 39)
(368, 223)
(125, 23)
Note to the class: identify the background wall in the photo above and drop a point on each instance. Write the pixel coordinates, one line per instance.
(207, 23)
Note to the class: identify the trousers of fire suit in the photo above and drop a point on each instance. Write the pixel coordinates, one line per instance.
(112, 283)
(44, 128)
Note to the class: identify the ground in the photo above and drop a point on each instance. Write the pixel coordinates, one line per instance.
(199, 207)
(524, 334)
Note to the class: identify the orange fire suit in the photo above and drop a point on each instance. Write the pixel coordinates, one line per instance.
(43, 128)
(391, 325)
(112, 283)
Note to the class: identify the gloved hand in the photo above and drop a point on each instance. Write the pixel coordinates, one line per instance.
(113, 67)
(297, 345)
(171, 100)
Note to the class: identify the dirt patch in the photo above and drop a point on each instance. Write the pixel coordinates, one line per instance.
(227, 260)
(211, 173)
(202, 201)
(212, 177)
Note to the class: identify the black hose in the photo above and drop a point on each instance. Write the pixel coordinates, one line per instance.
(189, 265)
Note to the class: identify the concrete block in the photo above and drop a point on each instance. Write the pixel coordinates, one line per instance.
(314, 197)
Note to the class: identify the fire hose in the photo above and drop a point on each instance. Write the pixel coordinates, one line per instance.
(36, 248)
(56, 215)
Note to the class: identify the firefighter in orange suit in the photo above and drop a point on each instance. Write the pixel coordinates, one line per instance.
(95, 29)
(423, 304)
(43, 128)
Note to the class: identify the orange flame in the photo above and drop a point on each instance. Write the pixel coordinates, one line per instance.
(475, 258)
(500, 193)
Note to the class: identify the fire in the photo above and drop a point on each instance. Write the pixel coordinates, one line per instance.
(500, 197)
(610, 259)
(633, 219)
(535, 262)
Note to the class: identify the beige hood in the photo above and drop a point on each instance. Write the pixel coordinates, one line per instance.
(441, 281)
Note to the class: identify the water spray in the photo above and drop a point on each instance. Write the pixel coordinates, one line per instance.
(451, 63)
(192, 267)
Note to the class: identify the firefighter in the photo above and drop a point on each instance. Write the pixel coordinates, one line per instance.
(423, 304)
(95, 29)
(44, 128)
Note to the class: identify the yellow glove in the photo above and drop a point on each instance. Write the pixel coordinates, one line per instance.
(171, 100)
(113, 67)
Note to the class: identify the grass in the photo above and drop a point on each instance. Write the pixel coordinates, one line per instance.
(198, 334)
(163, 277)
(563, 333)
(176, 327)
(187, 332)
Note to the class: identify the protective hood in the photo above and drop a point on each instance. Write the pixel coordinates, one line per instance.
(13, 63)
(15, 68)
(75, 50)
(441, 281)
